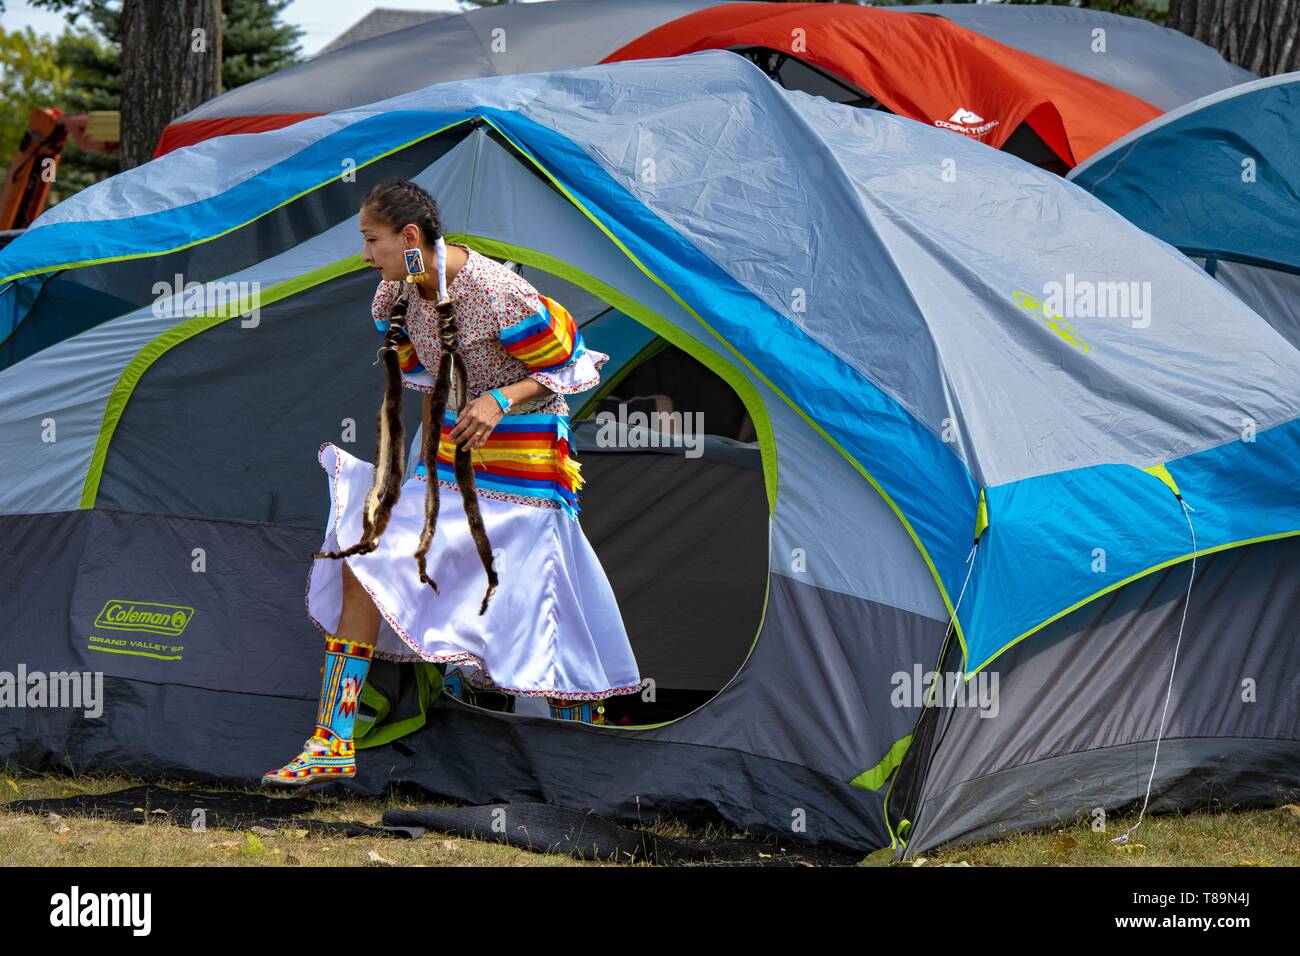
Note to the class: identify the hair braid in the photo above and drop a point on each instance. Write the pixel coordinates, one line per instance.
(398, 201)
(390, 456)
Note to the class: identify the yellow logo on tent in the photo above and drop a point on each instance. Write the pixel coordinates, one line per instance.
(1057, 323)
(167, 619)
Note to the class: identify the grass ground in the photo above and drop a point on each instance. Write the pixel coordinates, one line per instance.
(1240, 838)
(28, 839)
(1229, 838)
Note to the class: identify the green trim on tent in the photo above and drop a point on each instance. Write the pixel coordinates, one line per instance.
(662, 327)
(932, 693)
(159, 346)
(875, 777)
(1200, 552)
(981, 516)
(934, 572)
(1161, 472)
(218, 235)
(748, 395)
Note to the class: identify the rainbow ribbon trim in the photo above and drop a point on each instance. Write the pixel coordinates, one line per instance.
(407, 360)
(547, 340)
(525, 455)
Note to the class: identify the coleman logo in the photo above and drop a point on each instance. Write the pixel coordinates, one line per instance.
(166, 619)
(967, 121)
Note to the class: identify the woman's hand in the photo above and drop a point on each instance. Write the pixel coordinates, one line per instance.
(476, 421)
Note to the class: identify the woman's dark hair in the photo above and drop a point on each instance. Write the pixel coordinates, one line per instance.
(396, 202)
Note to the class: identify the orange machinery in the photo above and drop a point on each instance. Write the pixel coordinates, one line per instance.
(34, 167)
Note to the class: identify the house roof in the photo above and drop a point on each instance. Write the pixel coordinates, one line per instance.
(379, 21)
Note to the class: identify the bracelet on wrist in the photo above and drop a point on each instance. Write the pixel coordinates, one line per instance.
(501, 399)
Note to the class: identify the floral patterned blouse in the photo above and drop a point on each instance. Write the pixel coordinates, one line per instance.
(508, 331)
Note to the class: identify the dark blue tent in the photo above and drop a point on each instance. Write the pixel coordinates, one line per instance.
(1220, 179)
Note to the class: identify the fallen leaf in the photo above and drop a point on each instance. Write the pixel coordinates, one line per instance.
(881, 857)
(252, 845)
(374, 859)
(13, 785)
(1066, 844)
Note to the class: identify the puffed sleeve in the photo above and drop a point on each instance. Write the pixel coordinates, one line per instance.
(414, 374)
(382, 305)
(541, 334)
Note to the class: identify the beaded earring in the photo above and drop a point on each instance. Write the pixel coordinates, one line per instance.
(415, 265)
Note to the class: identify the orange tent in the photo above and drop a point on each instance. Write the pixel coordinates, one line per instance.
(923, 67)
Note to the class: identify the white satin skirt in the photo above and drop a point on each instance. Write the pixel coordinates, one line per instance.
(552, 627)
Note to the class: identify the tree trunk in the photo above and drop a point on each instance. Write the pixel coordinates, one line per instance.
(1261, 35)
(171, 62)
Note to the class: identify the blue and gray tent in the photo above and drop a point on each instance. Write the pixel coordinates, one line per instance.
(951, 404)
(1219, 179)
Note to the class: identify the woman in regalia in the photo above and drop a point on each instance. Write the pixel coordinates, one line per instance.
(498, 577)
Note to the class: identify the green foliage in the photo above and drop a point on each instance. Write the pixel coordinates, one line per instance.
(104, 15)
(254, 42)
(31, 76)
(96, 72)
